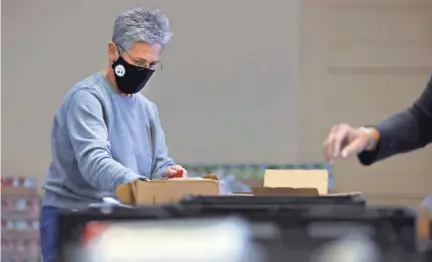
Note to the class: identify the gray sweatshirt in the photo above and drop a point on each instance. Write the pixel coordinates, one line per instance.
(99, 140)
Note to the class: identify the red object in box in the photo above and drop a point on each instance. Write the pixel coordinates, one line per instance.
(178, 174)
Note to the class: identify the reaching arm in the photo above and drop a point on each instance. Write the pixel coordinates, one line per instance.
(160, 149)
(89, 136)
(405, 131)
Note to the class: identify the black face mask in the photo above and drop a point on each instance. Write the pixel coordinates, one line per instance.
(130, 79)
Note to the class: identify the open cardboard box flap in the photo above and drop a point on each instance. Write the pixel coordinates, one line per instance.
(295, 183)
(165, 191)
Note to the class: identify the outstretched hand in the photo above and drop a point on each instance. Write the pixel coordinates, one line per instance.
(345, 140)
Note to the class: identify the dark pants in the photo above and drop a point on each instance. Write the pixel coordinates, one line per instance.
(48, 233)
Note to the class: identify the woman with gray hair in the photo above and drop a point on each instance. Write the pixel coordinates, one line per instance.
(106, 133)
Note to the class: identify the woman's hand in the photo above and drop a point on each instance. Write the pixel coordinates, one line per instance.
(174, 171)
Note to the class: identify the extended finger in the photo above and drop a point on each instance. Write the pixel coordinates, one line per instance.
(340, 136)
(355, 147)
(327, 146)
(176, 167)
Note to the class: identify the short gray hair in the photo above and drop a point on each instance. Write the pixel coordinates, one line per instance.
(141, 24)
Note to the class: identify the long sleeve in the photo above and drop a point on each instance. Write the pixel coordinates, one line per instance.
(160, 149)
(405, 131)
(89, 137)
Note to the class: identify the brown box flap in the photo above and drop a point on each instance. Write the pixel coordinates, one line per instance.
(294, 180)
(165, 191)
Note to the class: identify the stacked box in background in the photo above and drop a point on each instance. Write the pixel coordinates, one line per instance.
(20, 220)
(242, 177)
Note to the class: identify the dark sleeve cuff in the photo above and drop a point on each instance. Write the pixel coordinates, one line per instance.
(367, 158)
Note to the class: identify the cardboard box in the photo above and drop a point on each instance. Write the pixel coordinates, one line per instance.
(166, 191)
(295, 183)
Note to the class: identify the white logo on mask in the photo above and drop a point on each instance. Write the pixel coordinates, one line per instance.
(120, 70)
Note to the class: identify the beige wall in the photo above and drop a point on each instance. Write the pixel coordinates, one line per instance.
(229, 91)
(361, 61)
(0, 83)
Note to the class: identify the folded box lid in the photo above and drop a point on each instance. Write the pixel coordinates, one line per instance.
(163, 191)
(295, 182)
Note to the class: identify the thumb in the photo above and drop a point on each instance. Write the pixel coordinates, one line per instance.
(176, 168)
(355, 147)
(170, 171)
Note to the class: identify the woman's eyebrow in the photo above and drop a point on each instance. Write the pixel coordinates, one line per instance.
(142, 60)
(139, 59)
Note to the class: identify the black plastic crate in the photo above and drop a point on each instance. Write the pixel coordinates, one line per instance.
(275, 200)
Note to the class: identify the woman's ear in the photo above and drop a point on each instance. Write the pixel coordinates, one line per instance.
(112, 52)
